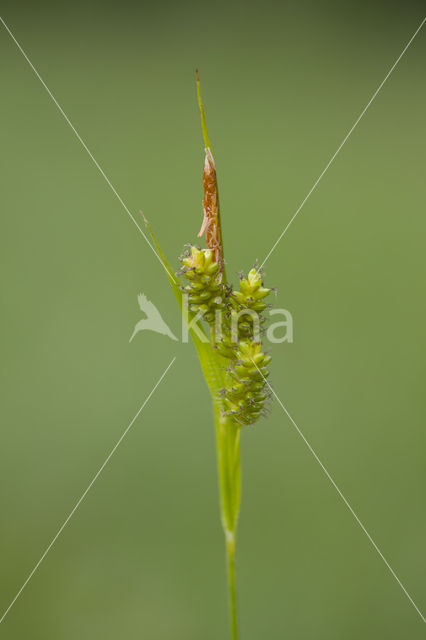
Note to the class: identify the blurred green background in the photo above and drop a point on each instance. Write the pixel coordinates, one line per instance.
(143, 556)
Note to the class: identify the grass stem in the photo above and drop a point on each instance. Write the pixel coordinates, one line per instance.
(230, 552)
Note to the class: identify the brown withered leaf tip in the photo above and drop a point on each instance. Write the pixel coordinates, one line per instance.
(211, 224)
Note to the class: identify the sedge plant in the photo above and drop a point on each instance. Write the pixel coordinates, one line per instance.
(226, 327)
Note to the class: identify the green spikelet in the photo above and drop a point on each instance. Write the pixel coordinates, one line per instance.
(246, 393)
(251, 292)
(249, 303)
(205, 287)
(232, 316)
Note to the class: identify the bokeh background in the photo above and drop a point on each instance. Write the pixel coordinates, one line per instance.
(143, 556)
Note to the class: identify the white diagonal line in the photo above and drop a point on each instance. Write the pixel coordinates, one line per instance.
(345, 139)
(341, 495)
(78, 503)
(84, 145)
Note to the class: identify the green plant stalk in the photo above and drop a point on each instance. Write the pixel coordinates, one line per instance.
(229, 470)
(230, 550)
(228, 451)
(227, 441)
(227, 431)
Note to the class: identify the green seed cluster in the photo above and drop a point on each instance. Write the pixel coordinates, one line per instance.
(250, 298)
(205, 288)
(246, 394)
(251, 292)
(234, 316)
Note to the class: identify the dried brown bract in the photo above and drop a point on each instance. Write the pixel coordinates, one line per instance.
(211, 222)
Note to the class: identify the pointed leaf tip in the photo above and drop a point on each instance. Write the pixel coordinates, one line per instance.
(202, 114)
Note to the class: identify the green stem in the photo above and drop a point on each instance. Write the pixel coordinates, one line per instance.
(230, 551)
(229, 468)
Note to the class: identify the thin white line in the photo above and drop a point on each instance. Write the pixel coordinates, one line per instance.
(95, 162)
(84, 494)
(345, 139)
(342, 497)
